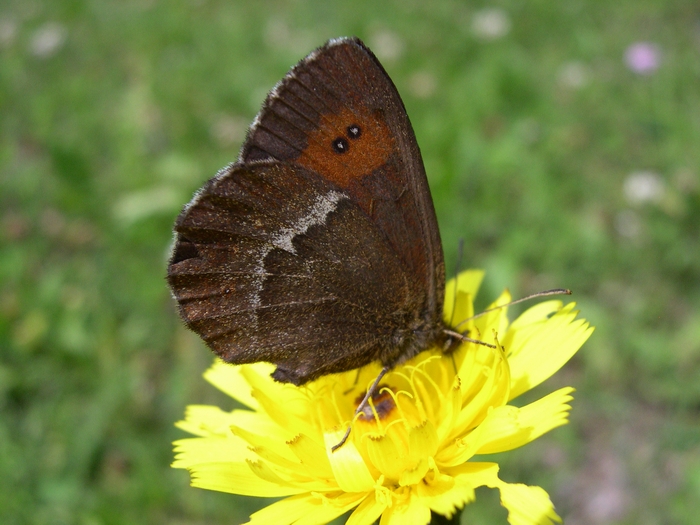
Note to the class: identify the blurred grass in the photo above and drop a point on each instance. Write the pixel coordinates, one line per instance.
(113, 113)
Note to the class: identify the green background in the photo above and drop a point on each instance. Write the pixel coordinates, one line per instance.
(533, 133)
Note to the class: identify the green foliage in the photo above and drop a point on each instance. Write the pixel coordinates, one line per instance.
(113, 113)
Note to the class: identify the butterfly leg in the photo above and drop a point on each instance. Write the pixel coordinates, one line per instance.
(360, 408)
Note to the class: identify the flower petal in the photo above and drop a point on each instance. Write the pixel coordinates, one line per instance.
(459, 450)
(206, 420)
(368, 511)
(306, 509)
(284, 403)
(228, 379)
(474, 474)
(385, 455)
(258, 423)
(485, 383)
(408, 510)
(192, 451)
(312, 456)
(495, 319)
(509, 427)
(238, 478)
(270, 443)
(422, 445)
(538, 345)
(527, 505)
(465, 285)
(451, 408)
(439, 493)
(348, 465)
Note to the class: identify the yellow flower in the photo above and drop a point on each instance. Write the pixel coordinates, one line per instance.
(410, 453)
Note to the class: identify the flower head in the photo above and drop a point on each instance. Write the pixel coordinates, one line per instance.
(411, 452)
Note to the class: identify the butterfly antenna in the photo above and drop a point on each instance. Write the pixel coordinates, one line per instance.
(360, 408)
(555, 291)
(465, 339)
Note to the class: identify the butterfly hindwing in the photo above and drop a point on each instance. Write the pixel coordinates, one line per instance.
(307, 283)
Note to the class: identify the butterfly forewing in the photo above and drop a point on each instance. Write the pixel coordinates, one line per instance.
(338, 86)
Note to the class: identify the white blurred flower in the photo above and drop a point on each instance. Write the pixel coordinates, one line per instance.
(229, 130)
(422, 84)
(277, 33)
(8, 32)
(643, 186)
(573, 75)
(47, 40)
(386, 45)
(490, 23)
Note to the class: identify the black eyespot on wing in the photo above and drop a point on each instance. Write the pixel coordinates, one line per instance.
(340, 145)
(354, 131)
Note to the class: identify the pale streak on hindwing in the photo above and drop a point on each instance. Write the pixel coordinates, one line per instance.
(318, 211)
(324, 205)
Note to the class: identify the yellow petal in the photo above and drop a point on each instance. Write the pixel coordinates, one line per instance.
(368, 511)
(312, 456)
(285, 404)
(493, 321)
(452, 406)
(228, 379)
(468, 282)
(459, 450)
(271, 472)
(238, 478)
(474, 474)
(306, 509)
(258, 423)
(192, 451)
(282, 465)
(267, 442)
(465, 286)
(442, 494)
(349, 467)
(538, 345)
(386, 455)
(509, 427)
(409, 510)
(422, 445)
(485, 385)
(415, 474)
(527, 505)
(264, 470)
(205, 420)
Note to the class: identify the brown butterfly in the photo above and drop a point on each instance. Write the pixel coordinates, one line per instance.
(318, 250)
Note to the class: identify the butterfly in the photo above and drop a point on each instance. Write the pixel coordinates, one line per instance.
(318, 250)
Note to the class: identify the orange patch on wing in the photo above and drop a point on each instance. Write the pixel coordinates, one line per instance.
(364, 154)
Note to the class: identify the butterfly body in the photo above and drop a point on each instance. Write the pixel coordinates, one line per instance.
(318, 250)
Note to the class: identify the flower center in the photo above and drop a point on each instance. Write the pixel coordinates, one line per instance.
(382, 401)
